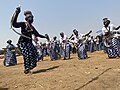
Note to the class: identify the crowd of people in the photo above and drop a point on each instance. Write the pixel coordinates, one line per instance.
(33, 50)
(80, 44)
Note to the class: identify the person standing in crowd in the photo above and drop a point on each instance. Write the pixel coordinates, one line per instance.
(111, 39)
(97, 41)
(50, 48)
(79, 39)
(25, 44)
(92, 44)
(64, 46)
(10, 55)
(36, 42)
(88, 42)
(74, 48)
(56, 47)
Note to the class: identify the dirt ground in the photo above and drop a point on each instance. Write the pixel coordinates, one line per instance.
(95, 73)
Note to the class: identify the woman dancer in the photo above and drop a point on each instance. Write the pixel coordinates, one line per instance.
(25, 44)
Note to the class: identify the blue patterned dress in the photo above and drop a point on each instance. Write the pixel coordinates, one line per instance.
(10, 56)
(114, 49)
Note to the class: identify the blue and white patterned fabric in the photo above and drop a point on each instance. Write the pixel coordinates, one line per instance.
(29, 53)
(113, 51)
(65, 47)
(116, 36)
(82, 52)
(115, 44)
(55, 49)
(66, 52)
(10, 56)
(50, 49)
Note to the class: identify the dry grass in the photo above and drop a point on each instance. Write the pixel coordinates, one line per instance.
(95, 73)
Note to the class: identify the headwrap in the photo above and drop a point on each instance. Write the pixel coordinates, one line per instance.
(28, 14)
(54, 37)
(107, 22)
(104, 19)
(9, 41)
(61, 33)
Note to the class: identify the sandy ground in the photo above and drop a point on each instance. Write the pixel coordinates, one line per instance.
(95, 73)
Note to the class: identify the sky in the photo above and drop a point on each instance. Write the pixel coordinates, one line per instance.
(55, 16)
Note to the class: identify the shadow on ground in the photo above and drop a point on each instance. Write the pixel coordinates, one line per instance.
(45, 70)
(3, 88)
